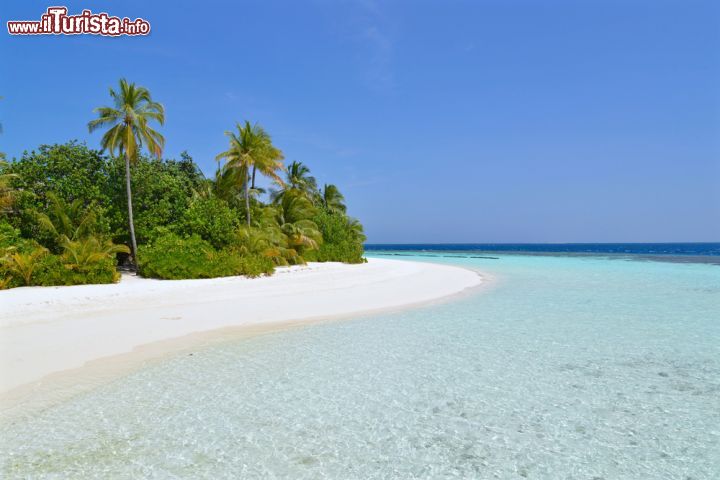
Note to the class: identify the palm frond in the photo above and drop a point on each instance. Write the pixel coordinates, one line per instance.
(128, 121)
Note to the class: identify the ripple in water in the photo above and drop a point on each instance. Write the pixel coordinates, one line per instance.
(565, 368)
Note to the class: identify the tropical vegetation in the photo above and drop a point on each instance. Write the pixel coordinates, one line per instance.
(71, 214)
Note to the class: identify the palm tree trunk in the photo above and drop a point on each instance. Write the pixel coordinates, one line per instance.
(247, 199)
(131, 223)
(253, 177)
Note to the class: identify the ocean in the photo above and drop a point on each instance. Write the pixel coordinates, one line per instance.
(583, 364)
(686, 251)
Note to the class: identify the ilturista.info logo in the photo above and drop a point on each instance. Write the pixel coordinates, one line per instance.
(56, 21)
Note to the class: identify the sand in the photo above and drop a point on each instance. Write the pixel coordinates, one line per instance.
(46, 330)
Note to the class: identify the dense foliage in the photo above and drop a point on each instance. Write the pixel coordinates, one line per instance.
(71, 171)
(66, 217)
(25, 262)
(212, 219)
(173, 257)
(162, 191)
(342, 238)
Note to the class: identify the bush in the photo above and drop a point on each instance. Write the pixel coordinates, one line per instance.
(253, 265)
(39, 268)
(72, 171)
(173, 257)
(10, 237)
(25, 263)
(211, 219)
(54, 270)
(345, 252)
(19, 258)
(342, 239)
(162, 191)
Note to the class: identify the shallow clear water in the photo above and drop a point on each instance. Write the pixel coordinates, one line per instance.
(565, 367)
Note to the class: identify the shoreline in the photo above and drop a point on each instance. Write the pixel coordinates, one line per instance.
(78, 338)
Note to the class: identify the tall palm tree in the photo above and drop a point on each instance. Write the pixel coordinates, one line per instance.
(294, 206)
(228, 184)
(332, 200)
(251, 148)
(268, 164)
(128, 120)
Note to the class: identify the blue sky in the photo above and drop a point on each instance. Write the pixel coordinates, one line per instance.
(442, 121)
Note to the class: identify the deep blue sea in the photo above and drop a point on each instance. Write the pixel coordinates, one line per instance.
(700, 252)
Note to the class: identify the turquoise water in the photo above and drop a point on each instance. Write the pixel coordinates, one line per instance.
(705, 252)
(563, 368)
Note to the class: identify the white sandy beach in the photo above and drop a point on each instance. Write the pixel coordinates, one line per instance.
(44, 330)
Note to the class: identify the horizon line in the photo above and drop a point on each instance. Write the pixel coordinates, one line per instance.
(545, 243)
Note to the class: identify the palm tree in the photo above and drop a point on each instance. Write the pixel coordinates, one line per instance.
(128, 120)
(69, 220)
(298, 179)
(23, 265)
(268, 164)
(259, 241)
(294, 206)
(228, 184)
(293, 214)
(302, 234)
(251, 149)
(84, 252)
(356, 229)
(332, 200)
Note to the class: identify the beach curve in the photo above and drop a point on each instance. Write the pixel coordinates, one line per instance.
(47, 330)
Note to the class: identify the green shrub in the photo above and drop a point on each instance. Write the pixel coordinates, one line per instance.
(10, 237)
(43, 269)
(162, 191)
(254, 265)
(342, 239)
(66, 220)
(19, 267)
(212, 219)
(173, 257)
(71, 170)
(54, 270)
(345, 252)
(25, 263)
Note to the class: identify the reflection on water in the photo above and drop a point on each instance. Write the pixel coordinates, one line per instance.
(567, 367)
